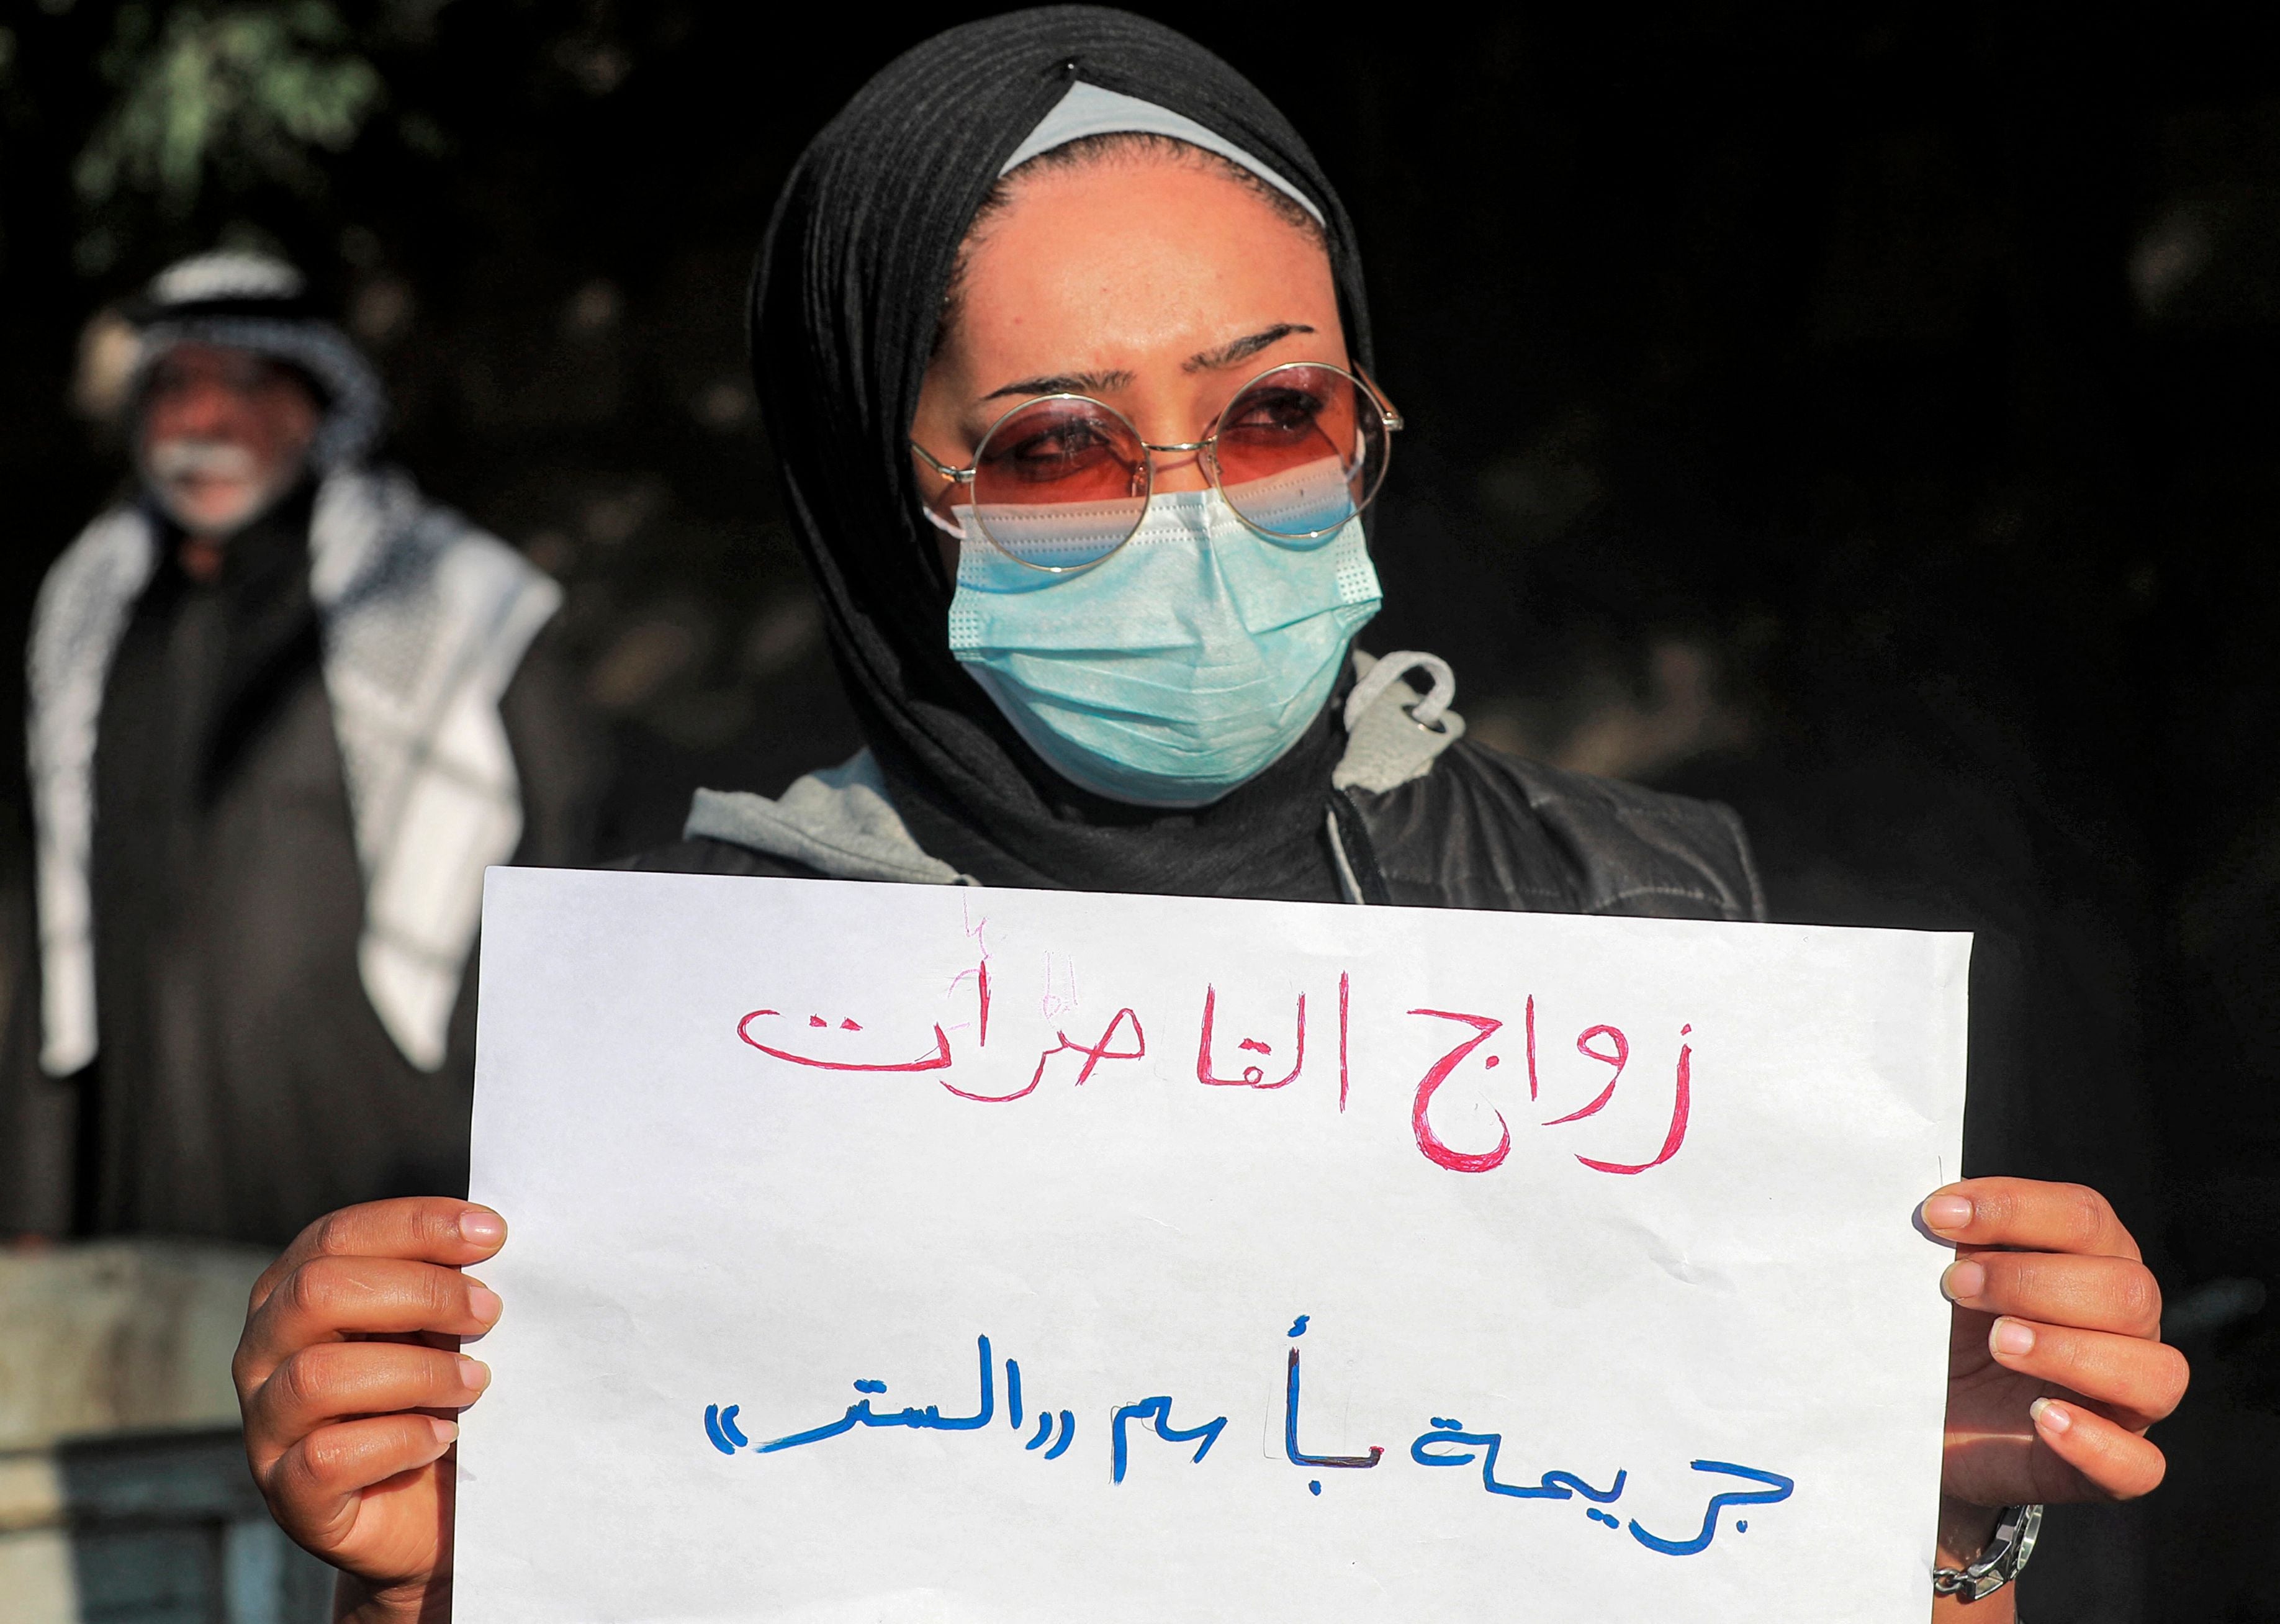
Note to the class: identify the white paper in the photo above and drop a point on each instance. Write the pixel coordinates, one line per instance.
(698, 1222)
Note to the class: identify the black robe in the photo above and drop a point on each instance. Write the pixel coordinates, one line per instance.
(243, 1083)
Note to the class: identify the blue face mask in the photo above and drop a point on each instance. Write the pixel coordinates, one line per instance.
(1180, 667)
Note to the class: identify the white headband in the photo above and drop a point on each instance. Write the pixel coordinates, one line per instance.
(1088, 110)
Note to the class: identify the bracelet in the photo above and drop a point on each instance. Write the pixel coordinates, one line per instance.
(2004, 1560)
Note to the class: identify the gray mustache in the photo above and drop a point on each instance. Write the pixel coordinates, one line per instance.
(220, 460)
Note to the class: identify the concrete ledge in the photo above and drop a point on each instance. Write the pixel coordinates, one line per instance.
(31, 1492)
(119, 1335)
(124, 1492)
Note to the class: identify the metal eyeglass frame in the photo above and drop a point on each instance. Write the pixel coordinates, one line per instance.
(1208, 446)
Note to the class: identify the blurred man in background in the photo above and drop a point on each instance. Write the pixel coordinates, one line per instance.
(282, 713)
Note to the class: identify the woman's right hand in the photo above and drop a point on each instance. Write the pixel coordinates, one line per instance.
(349, 1376)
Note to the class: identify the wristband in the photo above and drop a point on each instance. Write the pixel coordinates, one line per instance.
(2004, 1559)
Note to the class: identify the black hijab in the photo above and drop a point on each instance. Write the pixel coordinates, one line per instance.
(844, 307)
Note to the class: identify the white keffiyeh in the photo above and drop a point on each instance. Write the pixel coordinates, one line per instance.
(424, 619)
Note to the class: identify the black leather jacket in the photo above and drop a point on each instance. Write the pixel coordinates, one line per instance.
(1487, 830)
(1481, 829)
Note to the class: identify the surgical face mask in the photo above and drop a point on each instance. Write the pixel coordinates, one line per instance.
(1180, 667)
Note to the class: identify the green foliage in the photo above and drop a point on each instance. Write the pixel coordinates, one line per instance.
(229, 97)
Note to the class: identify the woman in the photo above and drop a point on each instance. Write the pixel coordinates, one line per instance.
(1063, 342)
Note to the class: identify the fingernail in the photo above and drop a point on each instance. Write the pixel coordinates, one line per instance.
(445, 1431)
(483, 1303)
(479, 1228)
(475, 1375)
(2051, 1417)
(2012, 1337)
(1950, 1212)
(1963, 1279)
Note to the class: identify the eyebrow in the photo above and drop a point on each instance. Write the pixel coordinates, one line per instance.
(1226, 355)
(1242, 348)
(1065, 383)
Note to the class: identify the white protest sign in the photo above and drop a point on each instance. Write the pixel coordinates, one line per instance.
(894, 1253)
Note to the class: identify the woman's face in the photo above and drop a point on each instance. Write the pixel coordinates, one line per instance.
(1156, 284)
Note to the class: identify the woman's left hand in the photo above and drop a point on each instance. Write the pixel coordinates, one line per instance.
(2056, 1366)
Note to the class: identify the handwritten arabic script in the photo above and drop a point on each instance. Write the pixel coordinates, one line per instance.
(968, 1070)
(1445, 1442)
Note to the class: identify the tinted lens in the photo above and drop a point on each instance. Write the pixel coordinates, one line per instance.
(1301, 451)
(1060, 482)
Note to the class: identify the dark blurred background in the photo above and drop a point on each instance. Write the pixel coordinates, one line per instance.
(1864, 416)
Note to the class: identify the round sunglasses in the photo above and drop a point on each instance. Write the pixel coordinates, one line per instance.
(1061, 481)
